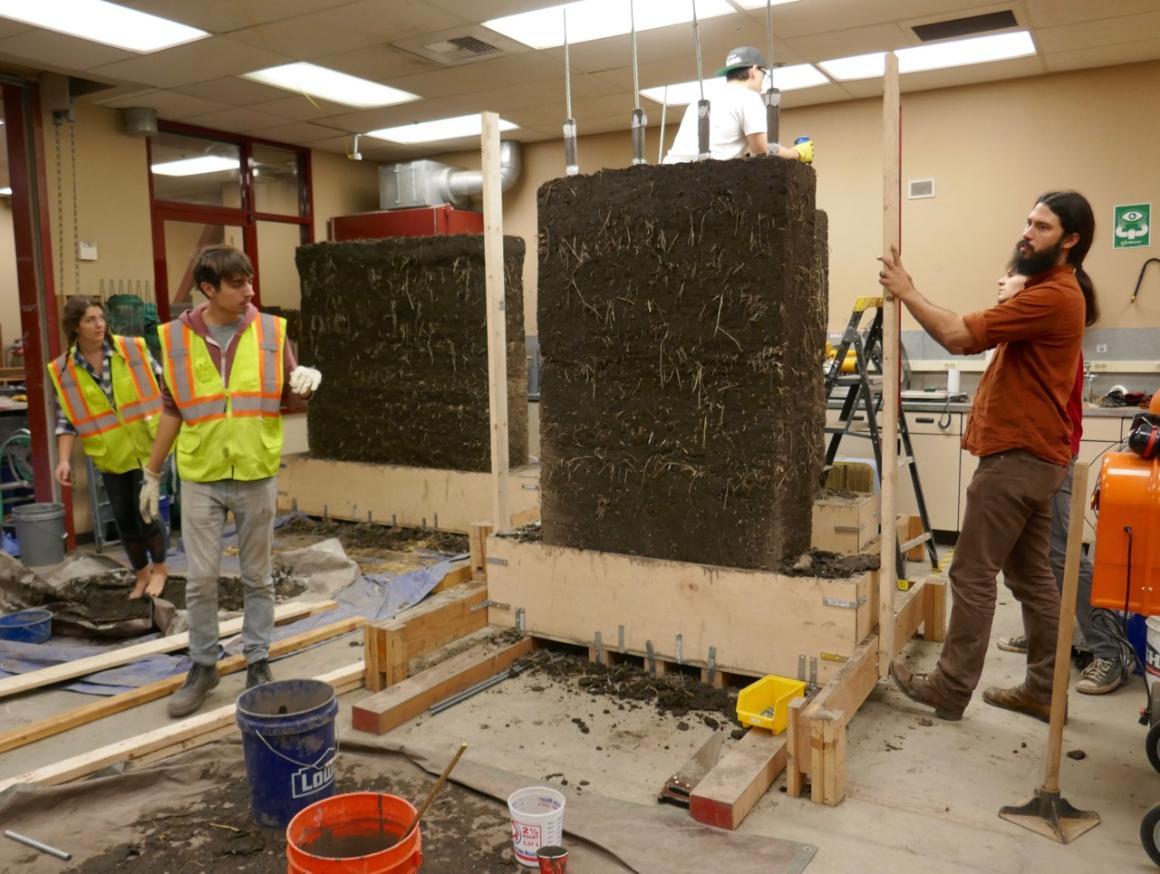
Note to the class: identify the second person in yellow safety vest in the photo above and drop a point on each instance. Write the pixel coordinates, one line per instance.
(229, 372)
(107, 394)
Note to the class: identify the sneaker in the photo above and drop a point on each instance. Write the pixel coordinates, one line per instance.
(1016, 643)
(1017, 698)
(258, 673)
(1101, 677)
(917, 688)
(198, 683)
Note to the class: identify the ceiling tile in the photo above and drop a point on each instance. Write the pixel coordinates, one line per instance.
(1049, 13)
(48, 47)
(390, 116)
(379, 63)
(1103, 56)
(232, 91)
(237, 119)
(194, 62)
(302, 108)
(493, 74)
(852, 41)
(1104, 31)
(354, 26)
(221, 18)
(169, 104)
(297, 132)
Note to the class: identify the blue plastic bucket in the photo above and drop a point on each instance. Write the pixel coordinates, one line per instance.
(26, 626)
(289, 744)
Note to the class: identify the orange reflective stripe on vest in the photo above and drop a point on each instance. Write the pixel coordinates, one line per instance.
(179, 363)
(148, 400)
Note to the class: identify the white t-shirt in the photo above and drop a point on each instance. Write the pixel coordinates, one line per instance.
(735, 112)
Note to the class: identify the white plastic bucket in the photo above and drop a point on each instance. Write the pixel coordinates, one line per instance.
(1152, 652)
(537, 821)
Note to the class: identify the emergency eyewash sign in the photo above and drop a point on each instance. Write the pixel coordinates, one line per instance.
(1132, 226)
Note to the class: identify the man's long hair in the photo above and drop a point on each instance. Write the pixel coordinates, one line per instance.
(1076, 217)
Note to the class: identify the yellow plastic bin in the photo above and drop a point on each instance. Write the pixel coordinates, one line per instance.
(765, 704)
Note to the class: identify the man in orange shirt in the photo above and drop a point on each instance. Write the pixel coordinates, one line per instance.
(1021, 432)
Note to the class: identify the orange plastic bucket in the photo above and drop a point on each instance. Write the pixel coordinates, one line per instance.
(1126, 571)
(354, 834)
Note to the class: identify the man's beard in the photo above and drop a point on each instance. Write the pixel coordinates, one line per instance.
(1033, 262)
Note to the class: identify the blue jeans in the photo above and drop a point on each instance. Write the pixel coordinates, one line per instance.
(203, 517)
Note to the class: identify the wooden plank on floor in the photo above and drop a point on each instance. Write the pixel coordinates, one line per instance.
(459, 573)
(402, 702)
(934, 623)
(117, 657)
(78, 716)
(170, 739)
(730, 790)
(852, 685)
(908, 619)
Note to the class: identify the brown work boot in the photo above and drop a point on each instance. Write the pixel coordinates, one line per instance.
(1017, 698)
(916, 687)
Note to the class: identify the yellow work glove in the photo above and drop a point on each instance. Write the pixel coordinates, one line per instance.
(805, 151)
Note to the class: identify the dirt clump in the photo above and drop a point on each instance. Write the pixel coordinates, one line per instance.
(676, 693)
(356, 536)
(829, 565)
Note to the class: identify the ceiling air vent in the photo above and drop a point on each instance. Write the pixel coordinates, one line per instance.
(461, 45)
(972, 25)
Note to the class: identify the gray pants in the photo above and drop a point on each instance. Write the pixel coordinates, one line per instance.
(203, 517)
(1103, 646)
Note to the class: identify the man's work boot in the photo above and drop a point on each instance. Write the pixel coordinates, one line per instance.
(917, 687)
(258, 673)
(191, 695)
(1017, 698)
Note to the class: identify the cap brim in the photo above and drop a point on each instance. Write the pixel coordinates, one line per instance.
(725, 70)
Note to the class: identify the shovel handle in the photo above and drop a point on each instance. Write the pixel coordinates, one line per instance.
(1066, 619)
(434, 791)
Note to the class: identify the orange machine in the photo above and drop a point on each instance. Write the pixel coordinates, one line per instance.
(1126, 571)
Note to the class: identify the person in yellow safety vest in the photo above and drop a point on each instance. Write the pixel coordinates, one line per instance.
(229, 372)
(108, 395)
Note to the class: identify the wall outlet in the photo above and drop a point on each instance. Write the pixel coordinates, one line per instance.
(1101, 348)
(86, 251)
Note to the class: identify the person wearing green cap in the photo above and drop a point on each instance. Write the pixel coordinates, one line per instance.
(737, 119)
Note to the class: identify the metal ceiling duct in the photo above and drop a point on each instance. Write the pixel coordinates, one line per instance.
(430, 183)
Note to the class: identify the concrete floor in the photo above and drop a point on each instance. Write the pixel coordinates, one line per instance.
(929, 806)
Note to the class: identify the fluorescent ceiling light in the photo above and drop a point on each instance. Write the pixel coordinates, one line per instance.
(433, 131)
(6, 191)
(331, 85)
(596, 19)
(936, 56)
(196, 166)
(784, 79)
(107, 23)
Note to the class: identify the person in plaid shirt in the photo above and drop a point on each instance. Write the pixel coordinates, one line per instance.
(107, 393)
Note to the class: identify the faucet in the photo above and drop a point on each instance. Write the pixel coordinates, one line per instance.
(1089, 379)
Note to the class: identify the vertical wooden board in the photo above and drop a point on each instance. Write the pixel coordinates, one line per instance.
(834, 738)
(477, 542)
(794, 771)
(934, 623)
(496, 318)
(744, 774)
(568, 594)
(891, 239)
(373, 647)
(395, 659)
(817, 761)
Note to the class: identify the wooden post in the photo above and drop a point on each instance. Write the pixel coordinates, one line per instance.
(891, 234)
(477, 544)
(496, 319)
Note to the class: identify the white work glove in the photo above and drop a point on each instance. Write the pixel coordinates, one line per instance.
(150, 500)
(304, 380)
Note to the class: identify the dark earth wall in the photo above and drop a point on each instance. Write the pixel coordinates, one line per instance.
(682, 315)
(398, 328)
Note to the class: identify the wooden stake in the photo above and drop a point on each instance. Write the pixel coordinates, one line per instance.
(496, 319)
(891, 234)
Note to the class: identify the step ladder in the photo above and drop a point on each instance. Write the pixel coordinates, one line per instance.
(863, 397)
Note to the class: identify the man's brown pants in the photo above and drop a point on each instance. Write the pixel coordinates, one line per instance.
(1006, 526)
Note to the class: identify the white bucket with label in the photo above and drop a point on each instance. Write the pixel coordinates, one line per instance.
(1152, 653)
(537, 821)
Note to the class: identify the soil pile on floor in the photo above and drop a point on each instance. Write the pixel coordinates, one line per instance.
(682, 316)
(398, 328)
(675, 693)
(370, 536)
(460, 832)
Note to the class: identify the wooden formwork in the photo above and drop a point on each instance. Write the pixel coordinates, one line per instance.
(411, 497)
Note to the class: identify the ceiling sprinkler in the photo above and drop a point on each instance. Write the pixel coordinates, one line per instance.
(354, 154)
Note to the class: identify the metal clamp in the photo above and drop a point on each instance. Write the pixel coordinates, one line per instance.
(651, 657)
(712, 663)
(521, 620)
(483, 605)
(620, 638)
(598, 647)
(801, 672)
(494, 559)
(847, 605)
(680, 649)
